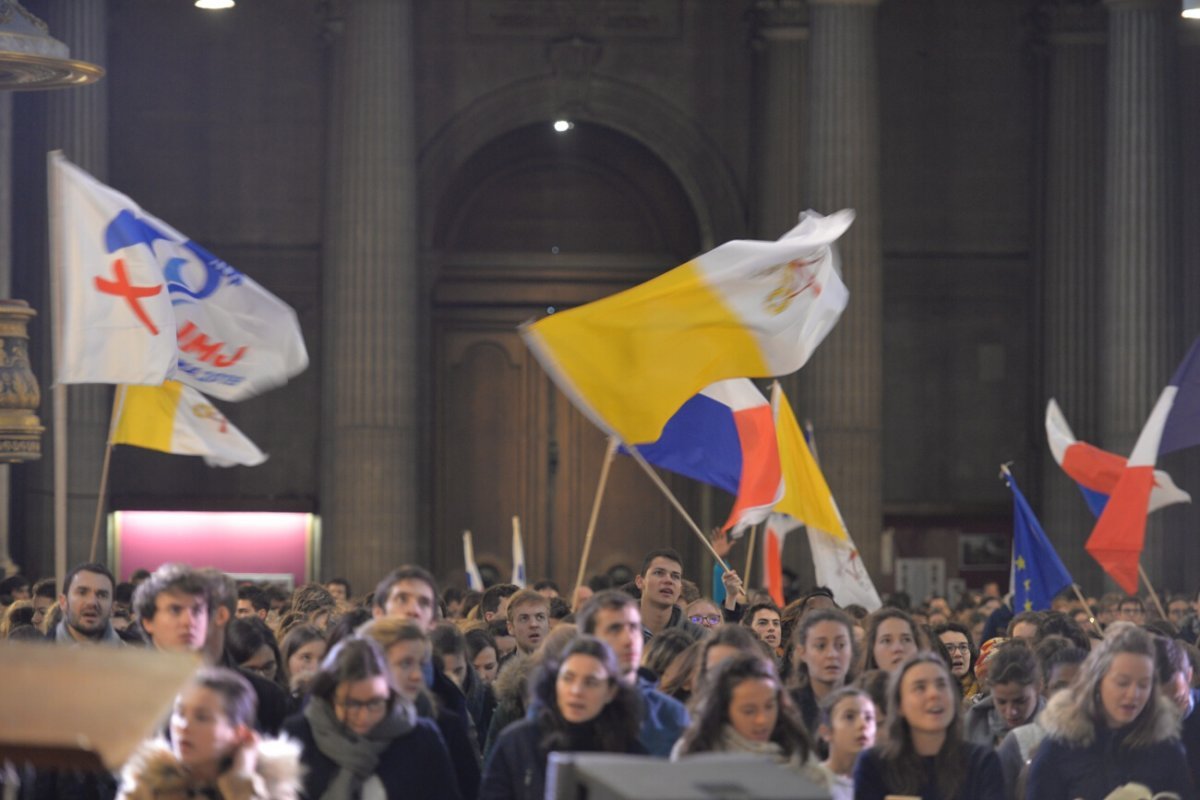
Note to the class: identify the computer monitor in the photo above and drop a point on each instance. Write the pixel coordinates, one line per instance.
(710, 776)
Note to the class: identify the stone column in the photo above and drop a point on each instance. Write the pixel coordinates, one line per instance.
(1073, 212)
(841, 388)
(77, 124)
(781, 36)
(6, 195)
(1140, 343)
(369, 409)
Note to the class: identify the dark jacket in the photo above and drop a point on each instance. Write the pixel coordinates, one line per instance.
(460, 744)
(1080, 758)
(516, 768)
(1191, 738)
(415, 766)
(677, 620)
(984, 780)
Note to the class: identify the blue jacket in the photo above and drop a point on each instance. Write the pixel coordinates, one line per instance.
(664, 720)
(415, 766)
(1080, 758)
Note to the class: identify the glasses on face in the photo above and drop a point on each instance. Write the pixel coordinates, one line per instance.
(373, 706)
(957, 648)
(711, 619)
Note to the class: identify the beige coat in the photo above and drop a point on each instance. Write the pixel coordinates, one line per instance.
(154, 774)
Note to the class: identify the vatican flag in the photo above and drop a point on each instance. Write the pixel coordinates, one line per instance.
(747, 309)
(174, 418)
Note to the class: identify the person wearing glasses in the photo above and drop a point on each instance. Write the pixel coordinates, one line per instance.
(360, 739)
(704, 612)
(957, 640)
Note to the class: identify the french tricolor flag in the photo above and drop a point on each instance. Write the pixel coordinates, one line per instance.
(1097, 471)
(1174, 423)
(725, 437)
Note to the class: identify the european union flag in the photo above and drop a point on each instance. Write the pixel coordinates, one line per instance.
(1037, 573)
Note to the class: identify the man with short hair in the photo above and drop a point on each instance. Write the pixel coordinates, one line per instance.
(408, 592)
(86, 604)
(340, 589)
(613, 617)
(1132, 610)
(528, 619)
(1175, 682)
(494, 603)
(547, 588)
(186, 610)
(252, 602)
(660, 582)
(764, 621)
(1025, 626)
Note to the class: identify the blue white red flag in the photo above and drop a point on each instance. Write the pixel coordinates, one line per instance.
(1097, 471)
(1174, 423)
(725, 437)
(142, 302)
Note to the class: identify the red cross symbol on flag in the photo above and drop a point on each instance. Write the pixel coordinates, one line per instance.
(121, 287)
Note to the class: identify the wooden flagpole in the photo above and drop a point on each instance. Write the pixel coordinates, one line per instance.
(750, 555)
(1087, 607)
(609, 454)
(649, 470)
(102, 497)
(1153, 594)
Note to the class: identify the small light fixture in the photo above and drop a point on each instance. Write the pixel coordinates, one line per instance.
(1191, 9)
(214, 5)
(564, 125)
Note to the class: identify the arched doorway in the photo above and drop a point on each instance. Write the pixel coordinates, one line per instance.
(536, 220)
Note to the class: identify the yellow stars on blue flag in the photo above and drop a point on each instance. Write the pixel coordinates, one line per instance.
(1038, 574)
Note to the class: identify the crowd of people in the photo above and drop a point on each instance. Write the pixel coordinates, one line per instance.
(411, 692)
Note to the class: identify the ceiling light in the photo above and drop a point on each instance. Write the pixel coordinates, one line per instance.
(1191, 9)
(214, 5)
(563, 125)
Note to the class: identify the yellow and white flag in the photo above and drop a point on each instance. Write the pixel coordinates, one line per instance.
(747, 309)
(174, 418)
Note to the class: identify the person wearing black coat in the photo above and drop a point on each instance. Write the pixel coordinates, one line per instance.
(1111, 728)
(582, 705)
(359, 737)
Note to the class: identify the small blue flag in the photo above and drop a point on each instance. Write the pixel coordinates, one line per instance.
(1037, 573)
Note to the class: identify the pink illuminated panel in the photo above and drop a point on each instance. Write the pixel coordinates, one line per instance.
(234, 542)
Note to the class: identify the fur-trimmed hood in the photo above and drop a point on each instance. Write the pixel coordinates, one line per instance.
(512, 684)
(153, 773)
(1077, 731)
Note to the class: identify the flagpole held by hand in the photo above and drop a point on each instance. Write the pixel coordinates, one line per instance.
(1157, 603)
(649, 470)
(750, 553)
(609, 454)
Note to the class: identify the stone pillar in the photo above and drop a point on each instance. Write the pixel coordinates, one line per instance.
(780, 43)
(77, 124)
(6, 195)
(1073, 213)
(371, 370)
(841, 388)
(1140, 343)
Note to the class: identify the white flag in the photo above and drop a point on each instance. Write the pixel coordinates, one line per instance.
(839, 567)
(474, 579)
(518, 554)
(117, 325)
(142, 302)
